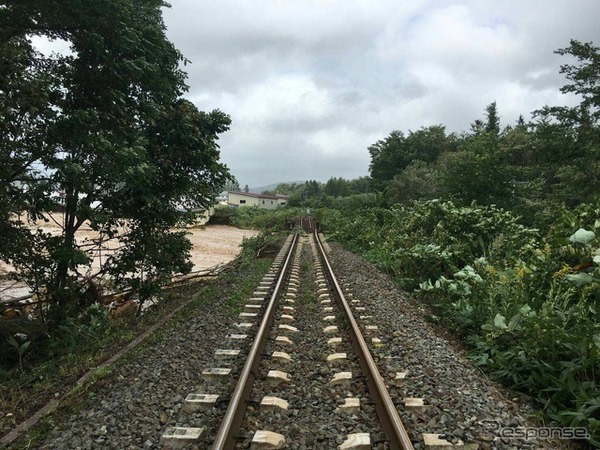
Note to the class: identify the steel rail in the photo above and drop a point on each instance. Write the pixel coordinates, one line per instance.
(386, 410)
(225, 438)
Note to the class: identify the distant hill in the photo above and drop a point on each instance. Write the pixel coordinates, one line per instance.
(270, 187)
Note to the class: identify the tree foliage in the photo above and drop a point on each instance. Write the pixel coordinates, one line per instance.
(527, 167)
(314, 194)
(584, 76)
(396, 152)
(102, 135)
(419, 180)
(232, 185)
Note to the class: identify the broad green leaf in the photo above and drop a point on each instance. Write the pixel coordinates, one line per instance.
(582, 236)
(580, 279)
(525, 310)
(596, 339)
(500, 322)
(23, 347)
(514, 321)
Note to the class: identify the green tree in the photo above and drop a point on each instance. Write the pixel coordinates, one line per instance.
(284, 188)
(312, 188)
(566, 140)
(567, 154)
(108, 132)
(395, 153)
(385, 155)
(232, 186)
(360, 185)
(336, 187)
(584, 76)
(492, 124)
(479, 172)
(418, 181)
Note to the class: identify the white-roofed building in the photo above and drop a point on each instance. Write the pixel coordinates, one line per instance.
(259, 200)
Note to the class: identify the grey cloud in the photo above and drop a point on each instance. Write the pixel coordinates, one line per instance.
(311, 84)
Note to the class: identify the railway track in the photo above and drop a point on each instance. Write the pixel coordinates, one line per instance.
(307, 384)
(297, 371)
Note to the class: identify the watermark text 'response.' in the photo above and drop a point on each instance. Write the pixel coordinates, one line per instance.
(536, 432)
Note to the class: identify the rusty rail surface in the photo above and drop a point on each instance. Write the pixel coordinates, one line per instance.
(225, 438)
(386, 410)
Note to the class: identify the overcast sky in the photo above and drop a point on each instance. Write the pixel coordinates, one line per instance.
(310, 84)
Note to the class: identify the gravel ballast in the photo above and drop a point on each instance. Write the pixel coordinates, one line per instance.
(312, 420)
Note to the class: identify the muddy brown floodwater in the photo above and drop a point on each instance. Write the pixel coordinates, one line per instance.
(212, 245)
(216, 245)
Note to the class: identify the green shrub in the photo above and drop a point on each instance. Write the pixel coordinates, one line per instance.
(428, 239)
(254, 217)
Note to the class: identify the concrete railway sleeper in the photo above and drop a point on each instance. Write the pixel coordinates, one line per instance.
(309, 379)
(222, 386)
(305, 395)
